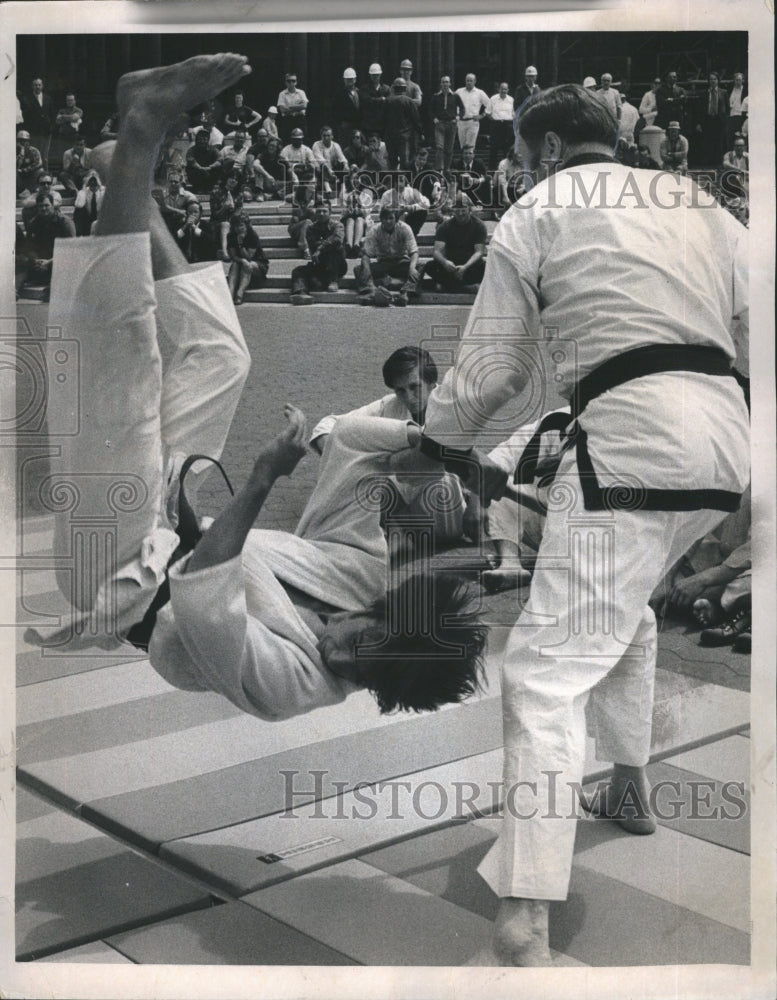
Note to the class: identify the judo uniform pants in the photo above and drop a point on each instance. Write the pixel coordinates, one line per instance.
(113, 486)
(583, 651)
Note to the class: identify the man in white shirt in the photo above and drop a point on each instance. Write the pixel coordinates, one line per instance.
(736, 109)
(609, 96)
(646, 363)
(475, 103)
(292, 106)
(330, 161)
(647, 106)
(629, 119)
(500, 111)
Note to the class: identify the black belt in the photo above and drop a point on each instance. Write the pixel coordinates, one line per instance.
(638, 363)
(188, 530)
(650, 360)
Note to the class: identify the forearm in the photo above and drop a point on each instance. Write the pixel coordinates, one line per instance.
(226, 536)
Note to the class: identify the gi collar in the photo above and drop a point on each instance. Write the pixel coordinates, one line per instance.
(582, 158)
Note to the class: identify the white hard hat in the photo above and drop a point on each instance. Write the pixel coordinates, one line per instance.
(349, 74)
(375, 68)
(530, 71)
(272, 110)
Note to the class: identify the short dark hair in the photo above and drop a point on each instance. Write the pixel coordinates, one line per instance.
(43, 196)
(572, 112)
(407, 359)
(388, 212)
(427, 647)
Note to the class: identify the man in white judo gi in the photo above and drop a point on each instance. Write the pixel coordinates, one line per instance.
(658, 453)
(277, 623)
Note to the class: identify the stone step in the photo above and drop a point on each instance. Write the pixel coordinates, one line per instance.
(347, 297)
(275, 292)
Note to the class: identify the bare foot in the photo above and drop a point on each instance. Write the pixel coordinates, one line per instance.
(497, 580)
(626, 800)
(520, 934)
(152, 99)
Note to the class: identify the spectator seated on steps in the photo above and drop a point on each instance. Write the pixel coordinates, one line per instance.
(29, 164)
(76, 163)
(174, 201)
(48, 225)
(195, 236)
(458, 259)
(389, 252)
(88, 203)
(249, 264)
(268, 170)
(203, 164)
(326, 264)
(412, 206)
(29, 205)
(303, 202)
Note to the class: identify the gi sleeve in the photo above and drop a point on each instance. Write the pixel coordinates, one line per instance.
(269, 672)
(491, 365)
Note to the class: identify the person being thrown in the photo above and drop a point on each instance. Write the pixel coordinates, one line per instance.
(293, 611)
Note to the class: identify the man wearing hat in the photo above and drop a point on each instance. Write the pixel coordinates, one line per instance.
(413, 90)
(270, 124)
(299, 161)
(589, 83)
(292, 106)
(527, 89)
(29, 163)
(346, 107)
(674, 149)
(373, 102)
(403, 126)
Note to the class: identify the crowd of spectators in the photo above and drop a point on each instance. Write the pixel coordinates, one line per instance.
(389, 147)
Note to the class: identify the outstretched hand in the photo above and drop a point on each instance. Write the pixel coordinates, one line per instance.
(280, 456)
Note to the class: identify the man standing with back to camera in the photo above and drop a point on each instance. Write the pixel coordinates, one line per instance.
(657, 453)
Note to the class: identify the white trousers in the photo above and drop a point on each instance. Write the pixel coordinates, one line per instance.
(113, 483)
(584, 646)
(468, 133)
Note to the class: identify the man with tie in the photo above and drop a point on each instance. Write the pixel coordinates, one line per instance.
(445, 108)
(87, 204)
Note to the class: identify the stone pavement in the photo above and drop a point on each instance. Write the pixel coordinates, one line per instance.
(159, 826)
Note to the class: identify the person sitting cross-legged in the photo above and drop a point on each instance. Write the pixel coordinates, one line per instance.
(324, 237)
(458, 259)
(277, 623)
(249, 262)
(389, 251)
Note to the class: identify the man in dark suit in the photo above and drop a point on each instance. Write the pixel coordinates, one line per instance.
(472, 177)
(38, 111)
(712, 115)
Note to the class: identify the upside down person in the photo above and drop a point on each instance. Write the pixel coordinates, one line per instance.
(273, 621)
